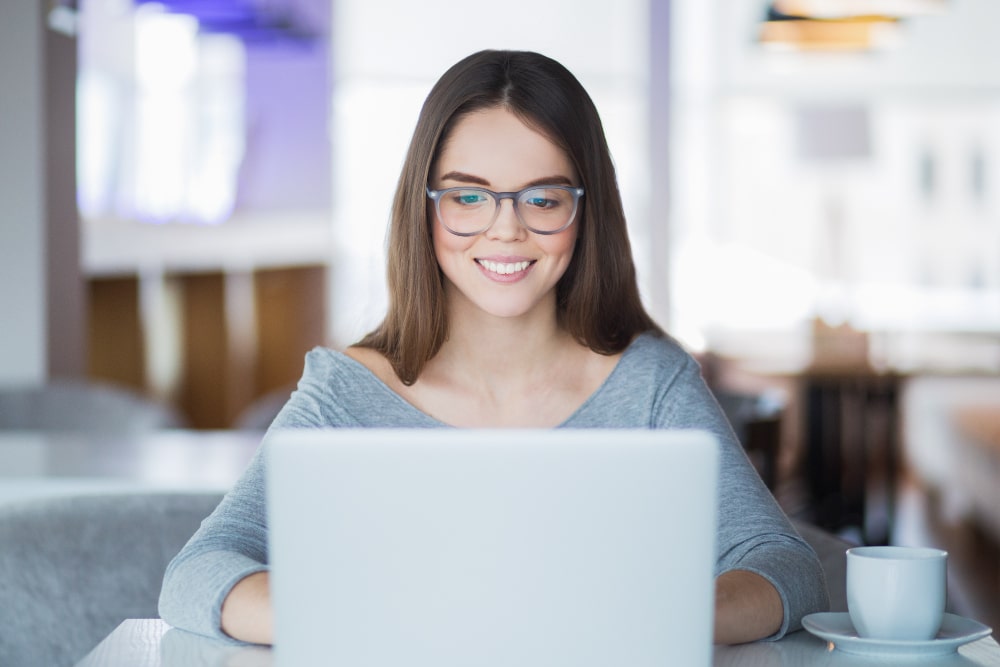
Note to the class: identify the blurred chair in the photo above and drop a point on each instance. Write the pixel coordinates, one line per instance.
(75, 405)
(73, 568)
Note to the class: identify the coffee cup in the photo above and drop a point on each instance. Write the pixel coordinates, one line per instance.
(896, 593)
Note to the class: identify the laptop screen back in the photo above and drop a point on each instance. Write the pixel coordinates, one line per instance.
(457, 547)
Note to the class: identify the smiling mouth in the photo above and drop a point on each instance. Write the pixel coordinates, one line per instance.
(503, 269)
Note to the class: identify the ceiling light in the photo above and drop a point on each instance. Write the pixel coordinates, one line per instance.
(842, 9)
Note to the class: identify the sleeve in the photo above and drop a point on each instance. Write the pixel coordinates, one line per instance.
(231, 543)
(753, 533)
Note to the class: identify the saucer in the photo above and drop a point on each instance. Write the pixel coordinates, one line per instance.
(837, 628)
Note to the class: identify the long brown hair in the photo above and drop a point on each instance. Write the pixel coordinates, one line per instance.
(597, 298)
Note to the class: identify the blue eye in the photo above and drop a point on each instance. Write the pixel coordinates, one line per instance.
(467, 198)
(541, 202)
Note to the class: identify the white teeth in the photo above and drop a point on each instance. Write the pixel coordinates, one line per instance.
(503, 269)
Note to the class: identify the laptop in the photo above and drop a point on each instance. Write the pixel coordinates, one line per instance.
(458, 547)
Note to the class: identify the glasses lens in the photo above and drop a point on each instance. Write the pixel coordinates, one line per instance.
(547, 209)
(466, 211)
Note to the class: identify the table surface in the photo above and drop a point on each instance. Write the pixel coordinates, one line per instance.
(153, 643)
(40, 463)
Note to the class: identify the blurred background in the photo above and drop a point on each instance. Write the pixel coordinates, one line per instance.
(195, 193)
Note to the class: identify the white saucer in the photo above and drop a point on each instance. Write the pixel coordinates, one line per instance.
(837, 628)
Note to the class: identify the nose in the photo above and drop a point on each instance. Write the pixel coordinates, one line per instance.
(506, 226)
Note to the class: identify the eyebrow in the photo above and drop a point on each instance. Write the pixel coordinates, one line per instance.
(462, 177)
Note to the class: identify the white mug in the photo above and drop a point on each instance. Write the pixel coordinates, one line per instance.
(896, 592)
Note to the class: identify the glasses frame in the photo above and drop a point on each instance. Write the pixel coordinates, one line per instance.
(498, 197)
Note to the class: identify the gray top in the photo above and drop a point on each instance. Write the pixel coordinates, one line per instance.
(655, 385)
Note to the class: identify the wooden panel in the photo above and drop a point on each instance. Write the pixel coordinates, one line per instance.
(242, 336)
(289, 303)
(116, 351)
(203, 380)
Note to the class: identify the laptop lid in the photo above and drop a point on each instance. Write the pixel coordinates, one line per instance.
(445, 547)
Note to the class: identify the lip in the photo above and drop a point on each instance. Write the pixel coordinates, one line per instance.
(507, 261)
(504, 259)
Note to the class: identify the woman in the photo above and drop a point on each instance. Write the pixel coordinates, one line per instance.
(513, 302)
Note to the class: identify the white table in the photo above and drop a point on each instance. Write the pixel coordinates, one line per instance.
(153, 643)
(39, 464)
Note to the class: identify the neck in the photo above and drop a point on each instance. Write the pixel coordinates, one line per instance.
(503, 349)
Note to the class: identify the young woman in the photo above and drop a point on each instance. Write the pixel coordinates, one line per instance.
(513, 302)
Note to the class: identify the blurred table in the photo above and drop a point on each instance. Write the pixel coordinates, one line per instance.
(977, 463)
(36, 463)
(153, 643)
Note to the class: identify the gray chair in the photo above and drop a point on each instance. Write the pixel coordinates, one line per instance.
(83, 405)
(73, 568)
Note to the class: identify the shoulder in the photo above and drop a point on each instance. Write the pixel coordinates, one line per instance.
(659, 355)
(657, 369)
(377, 365)
(355, 367)
(345, 389)
(334, 390)
(324, 363)
(654, 375)
(371, 359)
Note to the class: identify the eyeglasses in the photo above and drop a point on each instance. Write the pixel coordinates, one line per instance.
(542, 209)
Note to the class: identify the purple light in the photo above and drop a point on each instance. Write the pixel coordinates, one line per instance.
(243, 19)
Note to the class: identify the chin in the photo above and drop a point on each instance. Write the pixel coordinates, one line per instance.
(505, 303)
(512, 310)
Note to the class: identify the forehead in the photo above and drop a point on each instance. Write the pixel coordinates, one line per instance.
(497, 146)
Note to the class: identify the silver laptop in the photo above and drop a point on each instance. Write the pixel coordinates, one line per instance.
(455, 547)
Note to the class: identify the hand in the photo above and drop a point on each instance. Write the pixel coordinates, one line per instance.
(246, 611)
(747, 608)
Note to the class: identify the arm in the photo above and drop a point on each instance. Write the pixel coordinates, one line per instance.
(229, 547)
(747, 608)
(762, 564)
(224, 565)
(246, 611)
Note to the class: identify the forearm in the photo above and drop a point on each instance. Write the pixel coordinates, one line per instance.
(246, 611)
(747, 608)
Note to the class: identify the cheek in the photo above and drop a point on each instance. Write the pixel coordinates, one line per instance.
(445, 243)
(434, 229)
(560, 244)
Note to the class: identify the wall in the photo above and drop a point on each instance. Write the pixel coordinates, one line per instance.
(896, 235)
(42, 299)
(22, 224)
